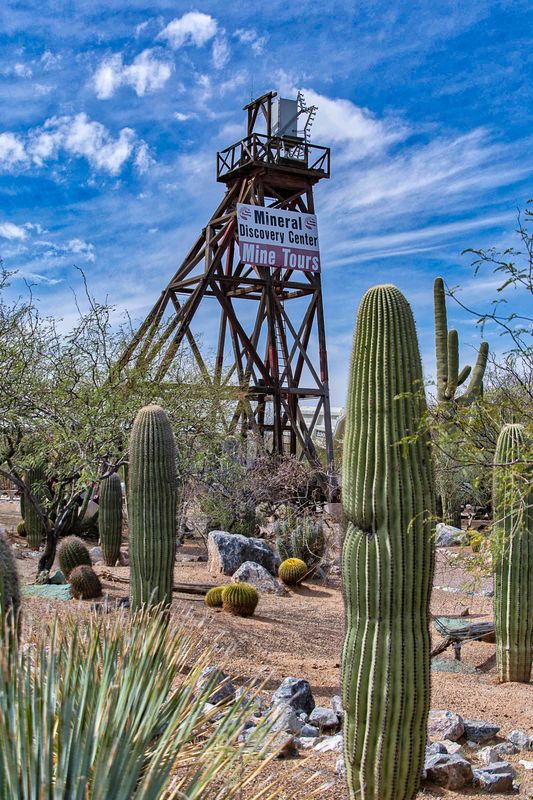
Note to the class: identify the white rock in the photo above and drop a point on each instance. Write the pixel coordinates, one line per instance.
(330, 743)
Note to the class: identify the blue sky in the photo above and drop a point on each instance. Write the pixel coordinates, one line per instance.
(112, 112)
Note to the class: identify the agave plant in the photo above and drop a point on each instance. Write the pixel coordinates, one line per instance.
(115, 710)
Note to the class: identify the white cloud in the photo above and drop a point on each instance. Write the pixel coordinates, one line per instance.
(180, 116)
(221, 52)
(251, 37)
(8, 230)
(19, 70)
(12, 151)
(77, 136)
(146, 73)
(192, 28)
(50, 60)
(82, 248)
(143, 159)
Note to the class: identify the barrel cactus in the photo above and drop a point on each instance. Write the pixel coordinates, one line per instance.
(110, 518)
(21, 528)
(292, 571)
(35, 527)
(240, 599)
(388, 554)
(9, 586)
(301, 538)
(152, 498)
(72, 552)
(213, 598)
(85, 583)
(513, 557)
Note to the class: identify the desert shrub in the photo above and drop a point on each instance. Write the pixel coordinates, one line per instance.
(69, 728)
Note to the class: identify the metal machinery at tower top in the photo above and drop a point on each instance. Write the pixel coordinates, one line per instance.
(260, 246)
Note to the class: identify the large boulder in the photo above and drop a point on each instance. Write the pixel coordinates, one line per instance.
(258, 576)
(448, 536)
(478, 731)
(226, 552)
(451, 772)
(445, 725)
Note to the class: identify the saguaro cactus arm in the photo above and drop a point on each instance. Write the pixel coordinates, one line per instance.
(447, 355)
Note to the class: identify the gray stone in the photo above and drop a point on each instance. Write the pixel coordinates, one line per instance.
(124, 559)
(308, 741)
(448, 536)
(96, 554)
(340, 769)
(451, 772)
(520, 739)
(453, 747)
(297, 693)
(490, 755)
(324, 718)
(309, 730)
(330, 744)
(283, 717)
(57, 578)
(284, 745)
(434, 748)
(494, 778)
(526, 764)
(478, 731)
(445, 725)
(336, 704)
(228, 551)
(248, 698)
(258, 576)
(219, 683)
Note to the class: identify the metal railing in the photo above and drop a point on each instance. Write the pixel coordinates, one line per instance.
(280, 151)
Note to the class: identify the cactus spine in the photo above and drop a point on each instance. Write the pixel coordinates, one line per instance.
(292, 571)
(213, 598)
(302, 539)
(35, 529)
(85, 583)
(447, 351)
(110, 518)
(388, 552)
(240, 599)
(72, 552)
(152, 508)
(513, 558)
(9, 587)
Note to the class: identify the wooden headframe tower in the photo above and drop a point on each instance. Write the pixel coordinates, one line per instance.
(276, 356)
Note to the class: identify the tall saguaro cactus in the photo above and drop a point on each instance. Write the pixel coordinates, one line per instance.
(152, 508)
(110, 518)
(388, 552)
(35, 529)
(513, 557)
(447, 350)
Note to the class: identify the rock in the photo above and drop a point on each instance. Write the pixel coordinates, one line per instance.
(308, 741)
(57, 578)
(340, 769)
(227, 551)
(478, 731)
(248, 698)
(336, 704)
(435, 747)
(492, 754)
(324, 718)
(451, 772)
(445, 725)
(124, 559)
(452, 748)
(258, 576)
(330, 744)
(494, 778)
(285, 719)
(526, 764)
(448, 536)
(218, 681)
(520, 739)
(96, 554)
(284, 745)
(309, 730)
(297, 693)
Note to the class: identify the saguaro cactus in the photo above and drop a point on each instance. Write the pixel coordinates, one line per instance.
(447, 351)
(513, 557)
(110, 518)
(152, 508)
(9, 588)
(388, 552)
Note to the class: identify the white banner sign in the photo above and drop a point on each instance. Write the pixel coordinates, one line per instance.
(273, 237)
